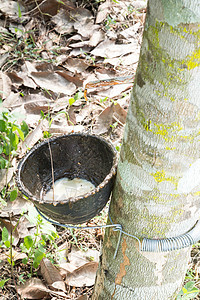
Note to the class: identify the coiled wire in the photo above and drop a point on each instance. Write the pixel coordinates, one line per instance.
(174, 243)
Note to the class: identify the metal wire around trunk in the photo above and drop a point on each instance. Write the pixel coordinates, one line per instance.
(147, 245)
(175, 243)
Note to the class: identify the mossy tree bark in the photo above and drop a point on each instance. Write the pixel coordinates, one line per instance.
(157, 189)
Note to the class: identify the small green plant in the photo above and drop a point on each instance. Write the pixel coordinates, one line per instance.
(110, 22)
(103, 100)
(189, 291)
(79, 95)
(114, 125)
(10, 135)
(6, 241)
(35, 246)
(2, 282)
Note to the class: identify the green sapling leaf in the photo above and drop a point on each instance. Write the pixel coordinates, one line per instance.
(78, 95)
(71, 101)
(2, 282)
(5, 234)
(38, 257)
(7, 244)
(13, 194)
(2, 126)
(24, 128)
(25, 260)
(28, 241)
(21, 134)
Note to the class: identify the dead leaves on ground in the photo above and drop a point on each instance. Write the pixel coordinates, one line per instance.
(83, 276)
(44, 65)
(34, 288)
(51, 275)
(79, 272)
(111, 114)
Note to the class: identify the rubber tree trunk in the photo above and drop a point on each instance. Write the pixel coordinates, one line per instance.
(157, 189)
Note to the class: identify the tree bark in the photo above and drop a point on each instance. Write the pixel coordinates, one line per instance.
(157, 189)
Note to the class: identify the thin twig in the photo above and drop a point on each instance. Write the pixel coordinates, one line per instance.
(52, 171)
(35, 8)
(11, 256)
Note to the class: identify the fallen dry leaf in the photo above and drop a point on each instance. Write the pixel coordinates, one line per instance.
(110, 49)
(33, 289)
(139, 4)
(6, 176)
(80, 51)
(120, 113)
(66, 268)
(84, 23)
(32, 138)
(13, 100)
(5, 85)
(15, 207)
(79, 19)
(78, 258)
(72, 116)
(15, 78)
(3, 57)
(131, 59)
(18, 255)
(103, 11)
(85, 112)
(23, 227)
(113, 91)
(60, 84)
(131, 31)
(60, 59)
(51, 275)
(104, 120)
(96, 38)
(34, 103)
(29, 67)
(83, 276)
(73, 79)
(3, 259)
(64, 22)
(51, 7)
(60, 104)
(76, 65)
(59, 285)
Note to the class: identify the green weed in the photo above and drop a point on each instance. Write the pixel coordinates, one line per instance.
(189, 291)
(10, 135)
(35, 246)
(2, 282)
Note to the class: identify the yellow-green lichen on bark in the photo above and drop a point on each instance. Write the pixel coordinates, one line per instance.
(194, 60)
